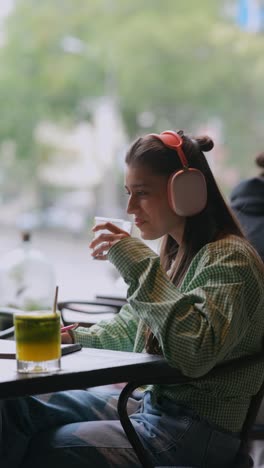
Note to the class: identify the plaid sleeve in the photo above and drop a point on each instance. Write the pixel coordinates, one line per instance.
(116, 334)
(199, 323)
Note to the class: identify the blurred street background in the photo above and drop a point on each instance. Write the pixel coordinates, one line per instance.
(79, 81)
(77, 274)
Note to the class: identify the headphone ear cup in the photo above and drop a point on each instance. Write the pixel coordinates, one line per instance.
(187, 192)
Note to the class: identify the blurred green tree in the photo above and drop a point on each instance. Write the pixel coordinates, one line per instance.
(168, 64)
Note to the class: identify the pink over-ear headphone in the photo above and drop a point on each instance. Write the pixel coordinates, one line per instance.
(187, 191)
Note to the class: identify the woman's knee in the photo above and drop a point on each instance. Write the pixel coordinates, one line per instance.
(83, 444)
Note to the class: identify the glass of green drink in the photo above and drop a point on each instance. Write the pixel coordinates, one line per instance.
(38, 341)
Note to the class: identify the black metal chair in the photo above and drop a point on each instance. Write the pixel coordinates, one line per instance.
(87, 313)
(162, 373)
(6, 322)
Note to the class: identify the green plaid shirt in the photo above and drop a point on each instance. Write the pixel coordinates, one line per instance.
(215, 315)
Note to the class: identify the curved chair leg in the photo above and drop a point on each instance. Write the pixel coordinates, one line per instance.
(129, 428)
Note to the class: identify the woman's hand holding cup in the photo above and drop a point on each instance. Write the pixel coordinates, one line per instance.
(107, 233)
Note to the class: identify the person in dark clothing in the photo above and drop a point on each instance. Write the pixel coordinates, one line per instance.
(247, 202)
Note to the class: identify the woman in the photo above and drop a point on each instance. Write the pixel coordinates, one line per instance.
(200, 303)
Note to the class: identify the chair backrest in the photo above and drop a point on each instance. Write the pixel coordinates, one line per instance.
(6, 322)
(85, 312)
(88, 312)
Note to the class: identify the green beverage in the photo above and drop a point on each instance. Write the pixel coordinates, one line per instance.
(38, 346)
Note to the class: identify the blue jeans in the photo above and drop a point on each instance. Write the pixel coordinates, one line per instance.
(80, 428)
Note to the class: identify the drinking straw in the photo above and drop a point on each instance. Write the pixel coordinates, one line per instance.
(55, 300)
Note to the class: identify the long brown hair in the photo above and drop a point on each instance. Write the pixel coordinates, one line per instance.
(214, 222)
(260, 163)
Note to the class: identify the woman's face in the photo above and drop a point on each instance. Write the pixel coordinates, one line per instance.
(148, 202)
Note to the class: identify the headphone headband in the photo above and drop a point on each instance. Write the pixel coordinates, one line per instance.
(174, 141)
